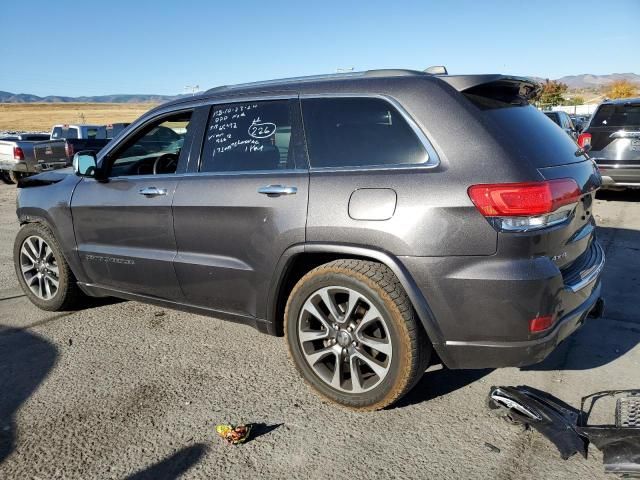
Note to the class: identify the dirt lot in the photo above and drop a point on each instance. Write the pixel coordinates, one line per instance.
(123, 389)
(38, 117)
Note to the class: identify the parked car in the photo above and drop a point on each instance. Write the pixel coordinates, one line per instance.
(114, 129)
(16, 155)
(564, 122)
(57, 152)
(614, 136)
(377, 219)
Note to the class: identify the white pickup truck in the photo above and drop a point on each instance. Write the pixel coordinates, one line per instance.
(16, 155)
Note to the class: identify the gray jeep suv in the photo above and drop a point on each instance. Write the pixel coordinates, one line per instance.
(379, 220)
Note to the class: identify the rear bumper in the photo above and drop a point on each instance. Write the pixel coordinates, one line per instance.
(483, 305)
(14, 166)
(619, 175)
(519, 354)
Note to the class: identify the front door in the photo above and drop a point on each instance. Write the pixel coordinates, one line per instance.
(124, 226)
(242, 206)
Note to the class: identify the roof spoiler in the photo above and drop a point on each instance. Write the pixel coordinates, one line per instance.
(519, 87)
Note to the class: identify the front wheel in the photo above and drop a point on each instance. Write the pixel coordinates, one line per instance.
(353, 334)
(42, 271)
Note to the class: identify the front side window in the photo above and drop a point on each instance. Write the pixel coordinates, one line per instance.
(155, 150)
(252, 136)
(356, 132)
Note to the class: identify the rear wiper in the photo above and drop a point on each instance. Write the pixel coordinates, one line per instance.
(583, 151)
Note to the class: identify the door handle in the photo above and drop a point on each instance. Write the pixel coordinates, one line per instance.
(153, 191)
(277, 190)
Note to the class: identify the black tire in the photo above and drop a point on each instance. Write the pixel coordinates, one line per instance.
(411, 346)
(14, 176)
(68, 294)
(6, 178)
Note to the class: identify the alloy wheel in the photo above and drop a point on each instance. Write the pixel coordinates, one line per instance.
(345, 339)
(39, 267)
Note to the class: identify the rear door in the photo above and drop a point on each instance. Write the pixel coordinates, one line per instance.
(615, 133)
(124, 226)
(242, 205)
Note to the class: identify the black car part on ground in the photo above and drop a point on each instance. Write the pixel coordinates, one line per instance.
(568, 428)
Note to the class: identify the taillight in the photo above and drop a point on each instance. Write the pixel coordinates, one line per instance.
(584, 139)
(526, 206)
(540, 324)
(18, 153)
(68, 149)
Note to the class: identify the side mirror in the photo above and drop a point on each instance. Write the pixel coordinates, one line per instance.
(85, 164)
(579, 127)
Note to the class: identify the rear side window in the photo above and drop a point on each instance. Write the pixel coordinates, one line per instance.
(71, 133)
(252, 136)
(620, 115)
(358, 132)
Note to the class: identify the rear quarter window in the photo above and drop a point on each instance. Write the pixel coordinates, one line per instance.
(359, 132)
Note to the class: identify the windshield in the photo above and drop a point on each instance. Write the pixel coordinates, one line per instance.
(619, 115)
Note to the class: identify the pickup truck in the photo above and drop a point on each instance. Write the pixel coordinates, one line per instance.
(57, 152)
(16, 155)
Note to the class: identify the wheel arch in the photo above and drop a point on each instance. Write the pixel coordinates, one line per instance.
(299, 259)
(30, 215)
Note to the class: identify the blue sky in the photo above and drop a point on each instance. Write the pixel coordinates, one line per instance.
(95, 47)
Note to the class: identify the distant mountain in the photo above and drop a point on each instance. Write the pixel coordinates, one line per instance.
(8, 97)
(588, 80)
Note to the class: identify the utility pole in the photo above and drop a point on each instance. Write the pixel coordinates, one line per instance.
(192, 88)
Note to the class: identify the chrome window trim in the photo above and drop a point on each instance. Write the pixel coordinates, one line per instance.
(432, 161)
(264, 173)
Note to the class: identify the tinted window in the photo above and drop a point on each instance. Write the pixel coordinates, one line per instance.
(529, 131)
(555, 117)
(70, 133)
(155, 150)
(249, 136)
(354, 132)
(621, 115)
(56, 133)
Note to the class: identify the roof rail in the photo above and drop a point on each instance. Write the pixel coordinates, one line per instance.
(319, 78)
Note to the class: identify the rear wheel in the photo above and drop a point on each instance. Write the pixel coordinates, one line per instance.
(353, 334)
(14, 176)
(6, 177)
(42, 271)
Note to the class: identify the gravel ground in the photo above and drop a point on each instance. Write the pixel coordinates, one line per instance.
(123, 389)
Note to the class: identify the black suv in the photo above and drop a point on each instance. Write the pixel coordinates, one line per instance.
(379, 220)
(614, 135)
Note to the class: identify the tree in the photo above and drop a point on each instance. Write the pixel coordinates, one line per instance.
(621, 89)
(551, 93)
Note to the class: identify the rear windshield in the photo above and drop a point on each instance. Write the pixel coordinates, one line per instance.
(620, 115)
(529, 132)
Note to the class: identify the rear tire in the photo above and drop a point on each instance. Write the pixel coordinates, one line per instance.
(43, 273)
(353, 334)
(6, 178)
(14, 176)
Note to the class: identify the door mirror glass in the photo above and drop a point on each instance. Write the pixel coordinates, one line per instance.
(85, 164)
